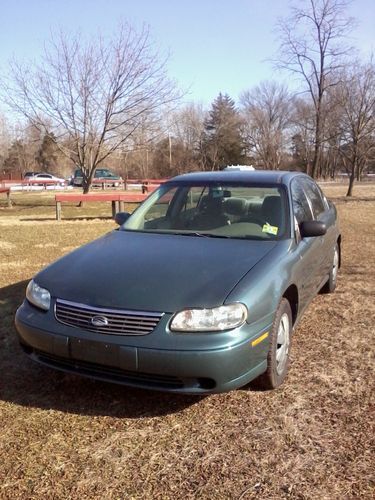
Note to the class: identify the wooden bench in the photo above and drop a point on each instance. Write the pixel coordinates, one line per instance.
(117, 200)
(6, 191)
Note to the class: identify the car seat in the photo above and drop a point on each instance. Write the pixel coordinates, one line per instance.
(271, 210)
(210, 214)
(235, 208)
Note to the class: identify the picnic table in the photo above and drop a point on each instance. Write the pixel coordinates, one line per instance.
(6, 191)
(117, 200)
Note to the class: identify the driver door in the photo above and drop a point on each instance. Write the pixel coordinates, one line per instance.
(308, 249)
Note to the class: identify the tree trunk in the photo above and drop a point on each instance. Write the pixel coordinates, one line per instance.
(358, 174)
(316, 157)
(352, 179)
(85, 190)
(354, 170)
(308, 167)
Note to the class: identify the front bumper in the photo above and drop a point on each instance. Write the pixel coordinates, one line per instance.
(141, 361)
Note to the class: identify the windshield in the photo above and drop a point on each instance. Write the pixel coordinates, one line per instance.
(214, 210)
(103, 173)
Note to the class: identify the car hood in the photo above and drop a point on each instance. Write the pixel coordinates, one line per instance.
(153, 272)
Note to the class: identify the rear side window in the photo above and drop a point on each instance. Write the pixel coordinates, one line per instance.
(301, 207)
(314, 195)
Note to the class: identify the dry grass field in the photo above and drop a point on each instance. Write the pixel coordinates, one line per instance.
(63, 437)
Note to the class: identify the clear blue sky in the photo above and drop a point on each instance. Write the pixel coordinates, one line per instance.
(215, 46)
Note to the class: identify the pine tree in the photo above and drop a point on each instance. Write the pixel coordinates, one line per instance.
(222, 142)
(47, 154)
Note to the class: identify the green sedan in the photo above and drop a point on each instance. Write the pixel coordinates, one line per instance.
(198, 291)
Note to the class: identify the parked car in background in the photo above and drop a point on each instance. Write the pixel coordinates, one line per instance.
(102, 175)
(30, 174)
(198, 291)
(45, 178)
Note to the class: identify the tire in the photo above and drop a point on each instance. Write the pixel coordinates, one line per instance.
(279, 351)
(330, 286)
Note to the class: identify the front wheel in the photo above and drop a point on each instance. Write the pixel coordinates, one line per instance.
(330, 286)
(279, 351)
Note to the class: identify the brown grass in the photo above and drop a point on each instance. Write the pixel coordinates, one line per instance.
(63, 436)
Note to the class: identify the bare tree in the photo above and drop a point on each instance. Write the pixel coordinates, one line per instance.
(331, 157)
(21, 153)
(303, 134)
(187, 125)
(5, 140)
(138, 155)
(313, 47)
(267, 113)
(91, 97)
(356, 97)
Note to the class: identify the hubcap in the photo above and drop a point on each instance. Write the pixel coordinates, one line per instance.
(335, 265)
(283, 341)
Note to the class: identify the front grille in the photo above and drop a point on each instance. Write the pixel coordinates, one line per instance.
(110, 321)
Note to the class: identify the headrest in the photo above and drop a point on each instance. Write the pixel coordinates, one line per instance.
(271, 204)
(235, 206)
(271, 209)
(208, 204)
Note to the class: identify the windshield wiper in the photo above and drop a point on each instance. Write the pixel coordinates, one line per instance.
(201, 235)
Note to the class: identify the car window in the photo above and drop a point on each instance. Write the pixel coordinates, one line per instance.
(301, 207)
(193, 197)
(102, 172)
(159, 209)
(215, 209)
(314, 195)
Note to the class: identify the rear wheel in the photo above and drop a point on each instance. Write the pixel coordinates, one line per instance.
(279, 350)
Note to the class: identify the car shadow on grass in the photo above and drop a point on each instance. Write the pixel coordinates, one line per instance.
(28, 384)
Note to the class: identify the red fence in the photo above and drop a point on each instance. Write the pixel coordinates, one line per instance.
(146, 185)
(32, 182)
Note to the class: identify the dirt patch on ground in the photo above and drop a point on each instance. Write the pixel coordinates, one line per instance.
(67, 437)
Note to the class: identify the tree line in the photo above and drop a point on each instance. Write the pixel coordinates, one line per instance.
(92, 103)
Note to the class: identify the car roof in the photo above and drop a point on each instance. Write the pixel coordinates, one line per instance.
(241, 176)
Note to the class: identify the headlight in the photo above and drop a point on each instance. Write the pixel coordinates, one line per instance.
(38, 296)
(207, 320)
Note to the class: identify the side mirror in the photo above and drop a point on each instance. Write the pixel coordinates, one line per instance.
(121, 217)
(312, 228)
